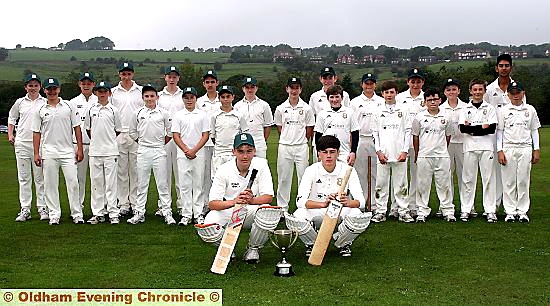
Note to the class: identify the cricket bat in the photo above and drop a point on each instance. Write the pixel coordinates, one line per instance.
(327, 227)
(231, 234)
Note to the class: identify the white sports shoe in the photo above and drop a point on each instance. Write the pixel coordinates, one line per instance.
(510, 218)
(345, 251)
(200, 219)
(124, 211)
(439, 214)
(308, 250)
(491, 218)
(406, 218)
(54, 221)
(137, 218)
(420, 218)
(78, 220)
(43, 212)
(23, 215)
(252, 255)
(394, 213)
(96, 219)
(184, 221)
(464, 217)
(450, 218)
(378, 218)
(169, 219)
(158, 213)
(523, 218)
(114, 220)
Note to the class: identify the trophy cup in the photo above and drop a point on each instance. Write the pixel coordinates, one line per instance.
(283, 239)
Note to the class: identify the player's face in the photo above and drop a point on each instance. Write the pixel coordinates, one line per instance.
(335, 100)
(294, 90)
(172, 78)
(477, 91)
(328, 80)
(32, 87)
(432, 102)
(516, 96)
(250, 90)
(226, 99)
(189, 100)
(328, 157)
(503, 69)
(52, 92)
(368, 86)
(86, 86)
(415, 83)
(210, 84)
(389, 95)
(103, 94)
(126, 75)
(150, 97)
(244, 155)
(452, 92)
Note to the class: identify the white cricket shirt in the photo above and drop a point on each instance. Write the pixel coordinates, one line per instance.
(390, 127)
(22, 115)
(171, 102)
(103, 123)
(340, 124)
(127, 102)
(210, 107)
(293, 122)
(319, 101)
(432, 132)
(452, 115)
(150, 126)
(365, 108)
(83, 106)
(190, 125)
(258, 115)
(485, 114)
(223, 128)
(517, 123)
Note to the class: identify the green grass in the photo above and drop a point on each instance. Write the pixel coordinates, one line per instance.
(392, 263)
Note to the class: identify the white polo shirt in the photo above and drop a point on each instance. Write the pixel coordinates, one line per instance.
(407, 99)
(365, 108)
(496, 96)
(83, 106)
(150, 126)
(22, 115)
(223, 128)
(56, 124)
(432, 131)
(338, 123)
(319, 101)
(293, 122)
(228, 183)
(210, 107)
(517, 124)
(258, 115)
(127, 102)
(452, 115)
(391, 125)
(171, 102)
(485, 114)
(190, 125)
(317, 184)
(103, 123)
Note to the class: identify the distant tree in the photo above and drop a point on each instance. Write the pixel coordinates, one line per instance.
(3, 54)
(358, 52)
(347, 84)
(61, 46)
(416, 52)
(73, 58)
(390, 54)
(218, 66)
(75, 44)
(99, 43)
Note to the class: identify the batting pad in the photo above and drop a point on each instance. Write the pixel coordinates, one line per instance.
(305, 230)
(350, 228)
(210, 233)
(266, 219)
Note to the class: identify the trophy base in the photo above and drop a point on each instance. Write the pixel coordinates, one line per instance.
(283, 270)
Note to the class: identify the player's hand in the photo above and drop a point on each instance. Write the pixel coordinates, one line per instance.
(79, 155)
(11, 139)
(37, 160)
(381, 157)
(502, 158)
(344, 200)
(467, 122)
(535, 157)
(402, 157)
(484, 126)
(191, 154)
(351, 159)
(245, 197)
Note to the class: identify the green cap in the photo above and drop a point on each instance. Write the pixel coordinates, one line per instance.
(170, 69)
(368, 77)
(242, 139)
(450, 82)
(103, 85)
(515, 86)
(148, 87)
(249, 80)
(31, 76)
(50, 82)
(415, 73)
(125, 66)
(190, 90)
(294, 80)
(210, 73)
(225, 88)
(327, 71)
(86, 75)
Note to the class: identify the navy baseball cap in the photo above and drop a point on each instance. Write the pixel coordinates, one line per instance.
(170, 69)
(242, 139)
(415, 73)
(368, 77)
(450, 82)
(225, 88)
(327, 71)
(294, 80)
(515, 86)
(148, 87)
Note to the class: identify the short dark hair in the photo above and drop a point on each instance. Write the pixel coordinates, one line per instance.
(504, 57)
(477, 82)
(387, 85)
(430, 92)
(335, 90)
(328, 141)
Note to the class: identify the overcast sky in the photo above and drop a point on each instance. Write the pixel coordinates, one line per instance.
(165, 24)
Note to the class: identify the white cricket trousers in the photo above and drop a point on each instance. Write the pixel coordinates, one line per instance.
(26, 170)
(103, 176)
(316, 215)
(364, 150)
(516, 180)
(222, 217)
(82, 171)
(398, 173)
(440, 169)
(287, 157)
(51, 185)
(127, 171)
(152, 158)
(208, 155)
(485, 161)
(498, 182)
(171, 150)
(457, 160)
(191, 176)
(412, 183)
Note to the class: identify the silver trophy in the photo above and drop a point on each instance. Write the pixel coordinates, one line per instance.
(283, 239)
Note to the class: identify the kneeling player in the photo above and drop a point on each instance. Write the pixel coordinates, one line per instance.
(230, 188)
(318, 187)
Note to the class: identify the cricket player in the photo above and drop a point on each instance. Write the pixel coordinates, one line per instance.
(391, 131)
(191, 129)
(83, 102)
(319, 99)
(413, 99)
(151, 127)
(103, 124)
(477, 123)
(226, 122)
(210, 103)
(295, 120)
(364, 106)
(452, 108)
(22, 114)
(258, 115)
(431, 132)
(52, 127)
(518, 147)
(228, 189)
(170, 98)
(339, 121)
(126, 97)
(320, 185)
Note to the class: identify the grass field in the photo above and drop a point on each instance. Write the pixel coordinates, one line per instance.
(392, 263)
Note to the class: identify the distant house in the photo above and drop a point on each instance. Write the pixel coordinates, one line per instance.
(373, 59)
(298, 51)
(430, 59)
(316, 59)
(282, 55)
(471, 55)
(348, 59)
(514, 54)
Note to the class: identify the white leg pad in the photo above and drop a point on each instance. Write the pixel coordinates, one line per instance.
(305, 230)
(266, 219)
(350, 228)
(210, 233)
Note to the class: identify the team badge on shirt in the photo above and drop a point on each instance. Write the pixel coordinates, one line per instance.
(442, 121)
(344, 115)
(526, 114)
(485, 112)
(339, 181)
(399, 114)
(301, 112)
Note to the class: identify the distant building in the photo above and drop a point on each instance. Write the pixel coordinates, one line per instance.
(373, 59)
(514, 54)
(282, 55)
(430, 59)
(471, 55)
(348, 59)
(316, 59)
